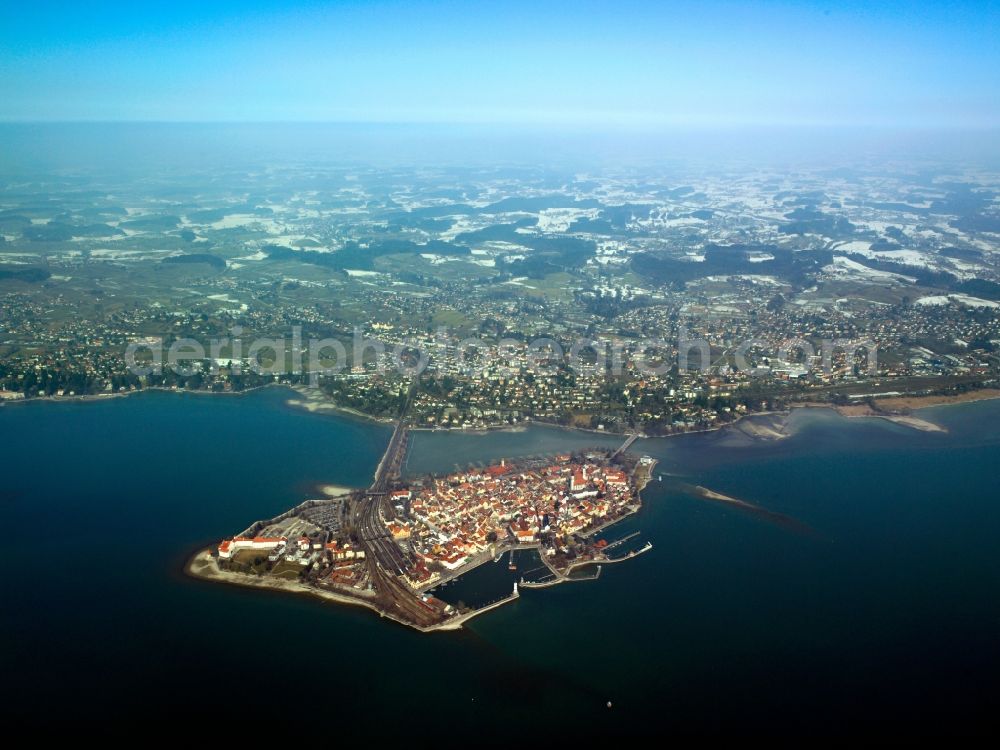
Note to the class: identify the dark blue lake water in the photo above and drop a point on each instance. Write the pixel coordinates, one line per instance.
(881, 611)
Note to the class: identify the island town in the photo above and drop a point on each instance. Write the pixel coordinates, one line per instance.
(391, 547)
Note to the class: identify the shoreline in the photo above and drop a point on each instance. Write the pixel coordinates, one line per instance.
(335, 490)
(313, 404)
(930, 402)
(897, 409)
(88, 397)
(202, 566)
(863, 411)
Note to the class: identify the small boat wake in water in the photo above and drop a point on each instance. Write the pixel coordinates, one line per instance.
(779, 519)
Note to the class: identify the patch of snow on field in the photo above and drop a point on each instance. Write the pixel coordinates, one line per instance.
(294, 242)
(259, 255)
(962, 299)
(665, 223)
(753, 278)
(847, 268)
(105, 253)
(357, 272)
(234, 221)
(907, 257)
(559, 219)
(879, 226)
(966, 270)
(519, 281)
(854, 246)
(463, 224)
(508, 247)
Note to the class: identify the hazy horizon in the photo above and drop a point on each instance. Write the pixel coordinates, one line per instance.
(139, 146)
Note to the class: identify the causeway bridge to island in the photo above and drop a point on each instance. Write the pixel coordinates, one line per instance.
(391, 465)
(626, 445)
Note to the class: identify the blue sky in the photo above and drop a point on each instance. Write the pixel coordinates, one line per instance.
(714, 64)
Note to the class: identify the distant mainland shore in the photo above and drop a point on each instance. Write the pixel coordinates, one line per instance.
(891, 407)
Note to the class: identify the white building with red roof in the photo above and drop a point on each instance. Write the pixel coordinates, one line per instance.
(229, 547)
